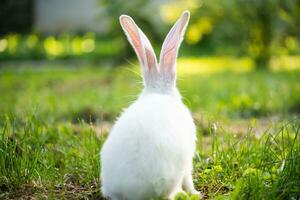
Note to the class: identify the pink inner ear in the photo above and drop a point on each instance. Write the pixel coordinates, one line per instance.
(169, 57)
(151, 65)
(183, 23)
(169, 51)
(171, 44)
(150, 59)
(134, 37)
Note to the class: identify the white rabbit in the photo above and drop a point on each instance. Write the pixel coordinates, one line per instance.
(150, 149)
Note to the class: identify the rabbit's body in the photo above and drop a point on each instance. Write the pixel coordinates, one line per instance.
(147, 161)
(150, 149)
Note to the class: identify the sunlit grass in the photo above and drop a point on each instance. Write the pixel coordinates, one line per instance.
(214, 64)
(64, 92)
(42, 159)
(209, 65)
(285, 63)
(54, 119)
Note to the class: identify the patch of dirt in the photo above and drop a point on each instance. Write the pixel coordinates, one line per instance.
(68, 190)
(90, 115)
(101, 129)
(241, 127)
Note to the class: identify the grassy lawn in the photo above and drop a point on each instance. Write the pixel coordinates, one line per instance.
(54, 119)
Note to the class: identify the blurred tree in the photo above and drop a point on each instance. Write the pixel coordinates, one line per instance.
(260, 29)
(250, 25)
(289, 12)
(256, 28)
(259, 18)
(289, 33)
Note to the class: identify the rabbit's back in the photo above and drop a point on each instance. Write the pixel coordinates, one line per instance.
(149, 149)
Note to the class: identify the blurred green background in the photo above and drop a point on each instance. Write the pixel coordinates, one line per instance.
(70, 59)
(265, 32)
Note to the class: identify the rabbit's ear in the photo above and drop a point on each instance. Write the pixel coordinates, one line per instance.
(170, 47)
(142, 47)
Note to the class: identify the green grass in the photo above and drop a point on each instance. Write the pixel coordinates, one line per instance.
(248, 167)
(51, 159)
(67, 92)
(54, 119)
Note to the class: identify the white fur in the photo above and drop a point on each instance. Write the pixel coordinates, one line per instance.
(150, 149)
